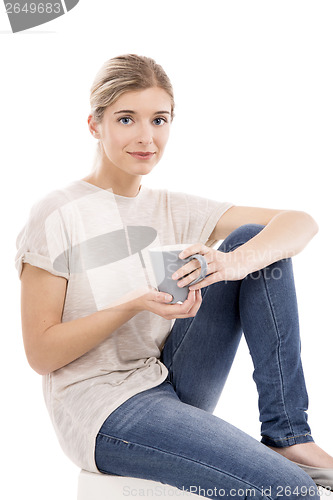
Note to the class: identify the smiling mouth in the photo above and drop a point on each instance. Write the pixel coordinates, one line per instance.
(142, 155)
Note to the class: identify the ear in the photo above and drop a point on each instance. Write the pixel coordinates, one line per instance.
(93, 127)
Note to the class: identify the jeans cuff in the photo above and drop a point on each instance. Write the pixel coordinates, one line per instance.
(287, 441)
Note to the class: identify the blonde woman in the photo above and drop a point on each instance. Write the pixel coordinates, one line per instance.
(130, 380)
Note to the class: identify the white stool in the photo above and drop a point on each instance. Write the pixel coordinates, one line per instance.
(97, 486)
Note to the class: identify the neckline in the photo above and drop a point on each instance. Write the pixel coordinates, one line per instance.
(118, 196)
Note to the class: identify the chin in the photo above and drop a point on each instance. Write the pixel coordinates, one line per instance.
(142, 169)
(145, 171)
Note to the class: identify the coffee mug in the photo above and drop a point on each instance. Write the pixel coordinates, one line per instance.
(165, 261)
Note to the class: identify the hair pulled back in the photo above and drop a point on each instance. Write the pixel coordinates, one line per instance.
(122, 74)
(126, 73)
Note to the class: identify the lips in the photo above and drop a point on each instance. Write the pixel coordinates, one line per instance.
(141, 155)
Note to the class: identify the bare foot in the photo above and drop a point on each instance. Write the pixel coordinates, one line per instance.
(306, 454)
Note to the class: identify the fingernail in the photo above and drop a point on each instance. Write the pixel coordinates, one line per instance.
(181, 255)
(175, 276)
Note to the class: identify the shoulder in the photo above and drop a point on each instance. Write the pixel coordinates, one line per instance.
(52, 201)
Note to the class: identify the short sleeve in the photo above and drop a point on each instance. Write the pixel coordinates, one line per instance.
(43, 241)
(195, 217)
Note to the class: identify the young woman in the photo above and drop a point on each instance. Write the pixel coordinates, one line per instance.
(131, 381)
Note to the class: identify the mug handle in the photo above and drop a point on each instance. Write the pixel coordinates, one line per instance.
(203, 264)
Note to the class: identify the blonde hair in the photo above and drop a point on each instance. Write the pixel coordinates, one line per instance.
(126, 73)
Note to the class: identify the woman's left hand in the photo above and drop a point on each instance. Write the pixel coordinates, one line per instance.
(221, 266)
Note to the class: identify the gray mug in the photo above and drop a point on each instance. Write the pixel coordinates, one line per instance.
(165, 262)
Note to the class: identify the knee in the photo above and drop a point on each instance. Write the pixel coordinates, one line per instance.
(240, 236)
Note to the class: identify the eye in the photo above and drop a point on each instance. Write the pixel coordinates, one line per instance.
(164, 120)
(125, 120)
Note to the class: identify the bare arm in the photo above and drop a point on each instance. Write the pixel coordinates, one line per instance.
(285, 234)
(50, 344)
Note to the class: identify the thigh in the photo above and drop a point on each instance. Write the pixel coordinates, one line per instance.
(199, 351)
(154, 435)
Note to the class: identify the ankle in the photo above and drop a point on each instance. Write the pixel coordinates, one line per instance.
(306, 454)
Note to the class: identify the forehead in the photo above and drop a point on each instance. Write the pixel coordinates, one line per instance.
(147, 100)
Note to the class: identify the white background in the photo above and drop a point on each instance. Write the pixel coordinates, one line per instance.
(253, 87)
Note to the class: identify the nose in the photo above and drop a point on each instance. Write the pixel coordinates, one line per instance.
(145, 135)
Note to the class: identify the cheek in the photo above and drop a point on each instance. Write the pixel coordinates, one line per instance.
(117, 141)
(163, 138)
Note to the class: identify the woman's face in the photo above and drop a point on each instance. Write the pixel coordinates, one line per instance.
(135, 130)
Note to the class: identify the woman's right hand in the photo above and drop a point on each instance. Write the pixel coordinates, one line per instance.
(154, 301)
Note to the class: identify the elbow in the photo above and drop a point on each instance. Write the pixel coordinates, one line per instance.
(312, 224)
(36, 364)
(38, 368)
(39, 356)
(42, 371)
(43, 365)
(306, 222)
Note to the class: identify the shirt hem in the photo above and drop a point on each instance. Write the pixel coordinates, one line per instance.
(38, 261)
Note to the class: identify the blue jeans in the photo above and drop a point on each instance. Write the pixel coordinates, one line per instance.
(169, 433)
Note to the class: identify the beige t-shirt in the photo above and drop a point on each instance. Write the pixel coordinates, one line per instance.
(99, 242)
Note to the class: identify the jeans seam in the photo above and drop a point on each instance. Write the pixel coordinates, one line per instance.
(290, 437)
(184, 458)
(278, 352)
(279, 346)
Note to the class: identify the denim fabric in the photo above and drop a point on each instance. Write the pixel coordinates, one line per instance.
(169, 433)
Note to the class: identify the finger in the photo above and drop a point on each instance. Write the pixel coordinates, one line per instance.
(162, 296)
(198, 302)
(187, 305)
(186, 269)
(187, 280)
(197, 299)
(182, 309)
(196, 248)
(212, 278)
(194, 266)
(193, 309)
(189, 301)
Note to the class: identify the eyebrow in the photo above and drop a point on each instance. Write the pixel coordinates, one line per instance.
(133, 112)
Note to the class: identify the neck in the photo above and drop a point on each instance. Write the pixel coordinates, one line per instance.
(122, 184)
